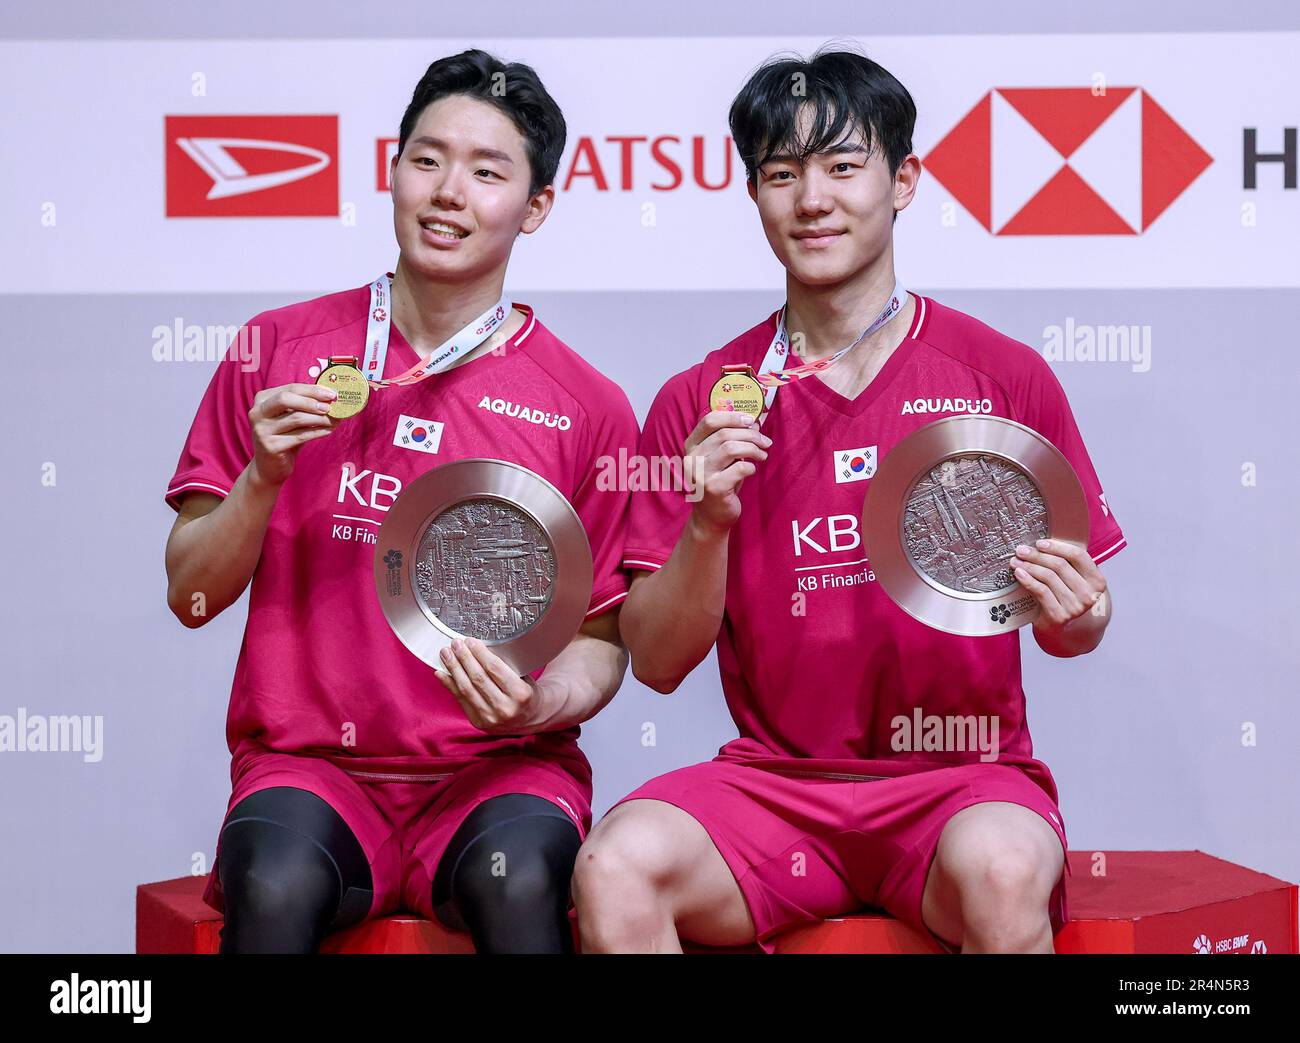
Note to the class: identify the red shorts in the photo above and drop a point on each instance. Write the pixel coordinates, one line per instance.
(863, 842)
(405, 823)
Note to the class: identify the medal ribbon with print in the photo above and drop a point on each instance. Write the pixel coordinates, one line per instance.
(379, 325)
(771, 376)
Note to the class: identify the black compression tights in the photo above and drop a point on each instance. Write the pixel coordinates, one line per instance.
(291, 871)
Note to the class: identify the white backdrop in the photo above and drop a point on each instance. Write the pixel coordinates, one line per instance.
(640, 148)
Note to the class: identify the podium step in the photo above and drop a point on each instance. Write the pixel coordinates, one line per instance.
(1143, 902)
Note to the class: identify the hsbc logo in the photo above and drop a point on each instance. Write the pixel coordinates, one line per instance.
(251, 166)
(1207, 947)
(1067, 161)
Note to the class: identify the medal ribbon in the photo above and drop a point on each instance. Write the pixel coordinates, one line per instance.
(771, 376)
(380, 322)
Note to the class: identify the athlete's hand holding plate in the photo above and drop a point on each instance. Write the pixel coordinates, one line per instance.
(484, 549)
(947, 509)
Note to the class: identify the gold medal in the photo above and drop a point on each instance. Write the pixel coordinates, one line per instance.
(736, 391)
(353, 389)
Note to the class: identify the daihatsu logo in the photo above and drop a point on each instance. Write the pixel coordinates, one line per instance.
(229, 178)
(252, 166)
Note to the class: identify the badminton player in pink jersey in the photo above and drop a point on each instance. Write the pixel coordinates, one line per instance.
(817, 809)
(365, 781)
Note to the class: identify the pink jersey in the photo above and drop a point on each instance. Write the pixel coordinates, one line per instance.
(816, 660)
(320, 670)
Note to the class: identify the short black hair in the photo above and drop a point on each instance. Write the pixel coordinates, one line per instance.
(847, 92)
(513, 88)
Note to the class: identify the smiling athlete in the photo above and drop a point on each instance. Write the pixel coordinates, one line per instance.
(815, 810)
(363, 781)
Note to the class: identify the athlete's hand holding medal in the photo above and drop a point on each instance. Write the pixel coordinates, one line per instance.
(283, 420)
(722, 451)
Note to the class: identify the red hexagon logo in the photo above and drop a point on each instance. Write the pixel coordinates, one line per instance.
(1066, 161)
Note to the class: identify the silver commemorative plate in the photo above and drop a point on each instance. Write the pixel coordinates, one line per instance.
(946, 509)
(485, 549)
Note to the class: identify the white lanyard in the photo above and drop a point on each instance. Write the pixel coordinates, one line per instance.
(771, 374)
(380, 321)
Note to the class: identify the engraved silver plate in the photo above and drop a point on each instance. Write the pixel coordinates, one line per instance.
(485, 549)
(948, 506)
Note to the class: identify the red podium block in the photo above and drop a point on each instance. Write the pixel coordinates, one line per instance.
(171, 917)
(1146, 902)
(1177, 902)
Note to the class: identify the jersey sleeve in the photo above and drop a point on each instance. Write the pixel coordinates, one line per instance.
(1043, 406)
(660, 507)
(602, 501)
(220, 442)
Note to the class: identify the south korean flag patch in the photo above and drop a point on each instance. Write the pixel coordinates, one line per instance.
(854, 465)
(424, 436)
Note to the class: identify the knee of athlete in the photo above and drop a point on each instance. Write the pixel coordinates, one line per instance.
(522, 864)
(1010, 883)
(619, 867)
(265, 877)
